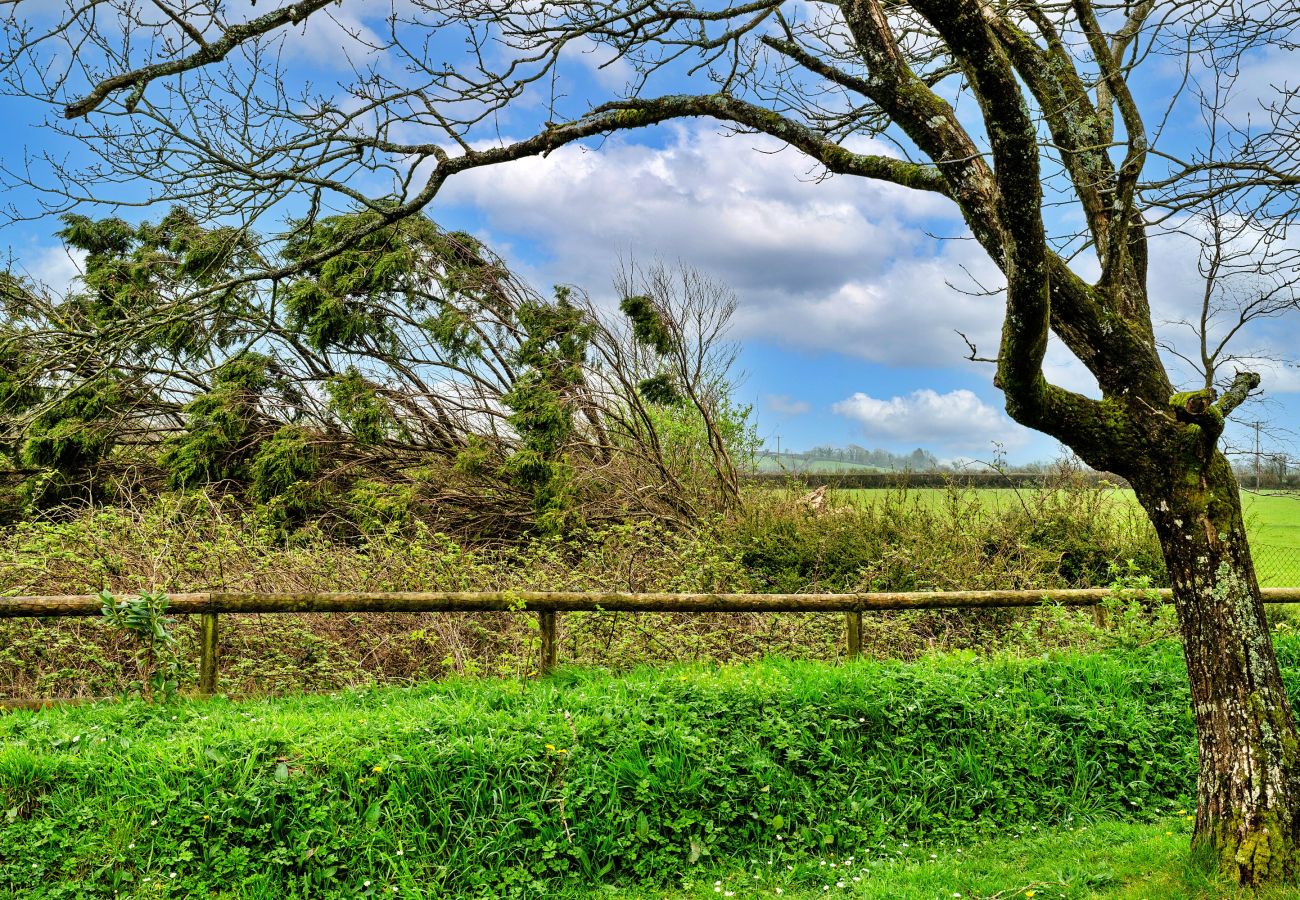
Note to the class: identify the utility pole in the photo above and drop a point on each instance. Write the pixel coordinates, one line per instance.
(1257, 425)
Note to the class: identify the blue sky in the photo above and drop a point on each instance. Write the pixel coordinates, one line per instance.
(848, 302)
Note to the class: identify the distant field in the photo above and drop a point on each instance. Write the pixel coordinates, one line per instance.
(1273, 519)
(795, 465)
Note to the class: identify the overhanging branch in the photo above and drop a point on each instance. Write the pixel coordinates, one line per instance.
(207, 54)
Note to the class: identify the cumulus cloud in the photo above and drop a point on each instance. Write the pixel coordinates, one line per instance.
(53, 268)
(783, 405)
(955, 421)
(1177, 286)
(842, 264)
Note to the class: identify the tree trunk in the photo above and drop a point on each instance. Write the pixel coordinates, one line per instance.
(1248, 794)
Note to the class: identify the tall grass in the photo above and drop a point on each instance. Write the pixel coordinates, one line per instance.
(499, 788)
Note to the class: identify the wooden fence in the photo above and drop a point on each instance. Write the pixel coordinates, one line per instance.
(547, 606)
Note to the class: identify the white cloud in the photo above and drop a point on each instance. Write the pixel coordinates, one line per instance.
(843, 264)
(602, 62)
(54, 268)
(783, 405)
(955, 421)
(1177, 285)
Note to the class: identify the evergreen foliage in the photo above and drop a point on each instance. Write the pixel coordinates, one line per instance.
(413, 359)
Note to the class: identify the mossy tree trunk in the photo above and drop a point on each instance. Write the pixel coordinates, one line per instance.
(1249, 774)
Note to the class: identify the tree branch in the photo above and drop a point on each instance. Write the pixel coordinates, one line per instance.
(1236, 394)
(208, 53)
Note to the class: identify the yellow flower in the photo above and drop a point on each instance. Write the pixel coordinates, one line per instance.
(377, 769)
(561, 750)
(1029, 893)
(550, 747)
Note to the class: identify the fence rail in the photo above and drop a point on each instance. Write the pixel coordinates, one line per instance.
(210, 605)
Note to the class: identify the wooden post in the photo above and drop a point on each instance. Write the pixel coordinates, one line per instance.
(547, 620)
(853, 621)
(208, 651)
(1098, 616)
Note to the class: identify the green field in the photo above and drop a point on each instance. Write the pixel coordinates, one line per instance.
(1273, 519)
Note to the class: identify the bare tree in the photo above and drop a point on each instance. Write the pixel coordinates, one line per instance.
(984, 100)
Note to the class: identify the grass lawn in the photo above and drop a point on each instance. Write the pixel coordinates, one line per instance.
(1125, 861)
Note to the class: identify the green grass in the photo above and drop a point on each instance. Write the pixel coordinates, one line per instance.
(1118, 860)
(1272, 518)
(460, 789)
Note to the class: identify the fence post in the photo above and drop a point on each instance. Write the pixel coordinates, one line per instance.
(1098, 616)
(853, 621)
(546, 619)
(208, 654)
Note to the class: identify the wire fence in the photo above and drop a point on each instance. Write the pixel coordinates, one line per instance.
(1276, 565)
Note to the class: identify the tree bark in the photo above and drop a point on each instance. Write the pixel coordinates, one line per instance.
(1248, 793)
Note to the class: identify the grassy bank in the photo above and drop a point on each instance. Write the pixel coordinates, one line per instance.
(506, 788)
